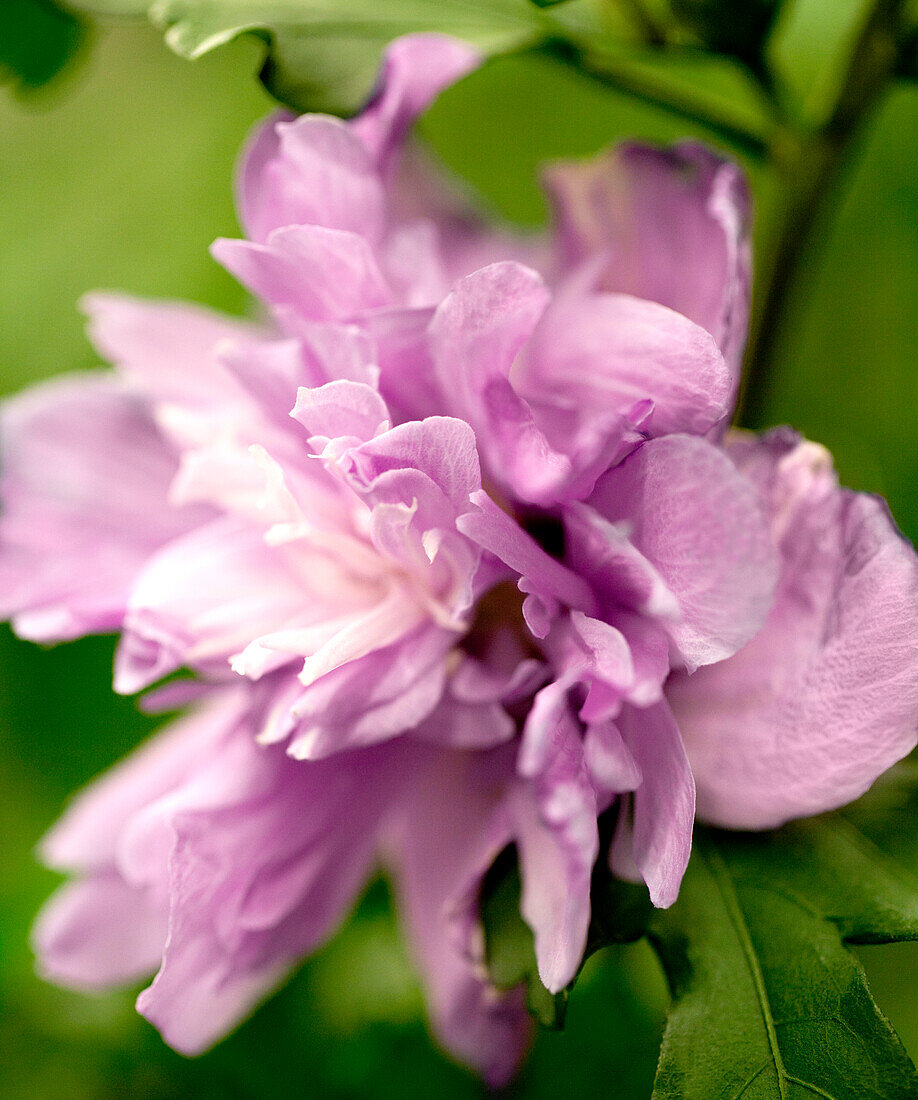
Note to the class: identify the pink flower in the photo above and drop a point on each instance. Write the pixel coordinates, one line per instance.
(456, 550)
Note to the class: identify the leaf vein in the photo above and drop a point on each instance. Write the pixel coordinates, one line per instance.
(721, 875)
(810, 1087)
(758, 1073)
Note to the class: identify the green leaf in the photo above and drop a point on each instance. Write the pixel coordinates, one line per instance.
(37, 39)
(767, 999)
(324, 54)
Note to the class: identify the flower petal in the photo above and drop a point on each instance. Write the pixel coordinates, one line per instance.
(699, 522)
(554, 817)
(596, 352)
(167, 351)
(85, 504)
(825, 698)
(663, 804)
(322, 274)
(674, 226)
(451, 828)
(99, 932)
(201, 599)
(258, 876)
(312, 170)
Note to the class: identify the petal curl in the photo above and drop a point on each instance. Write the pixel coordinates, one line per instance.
(700, 523)
(825, 698)
(673, 226)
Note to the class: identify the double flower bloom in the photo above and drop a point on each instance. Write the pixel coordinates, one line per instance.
(461, 554)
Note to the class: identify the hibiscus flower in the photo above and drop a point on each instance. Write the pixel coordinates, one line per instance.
(460, 554)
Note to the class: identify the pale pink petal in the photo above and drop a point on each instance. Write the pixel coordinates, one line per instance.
(596, 352)
(554, 818)
(441, 447)
(673, 225)
(823, 700)
(168, 351)
(322, 274)
(663, 804)
(258, 876)
(272, 372)
(699, 522)
(369, 699)
(311, 170)
(341, 408)
(85, 503)
(476, 334)
(415, 70)
(99, 932)
(451, 827)
(110, 926)
(202, 599)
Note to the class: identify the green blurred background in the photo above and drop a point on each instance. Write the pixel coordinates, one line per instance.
(117, 175)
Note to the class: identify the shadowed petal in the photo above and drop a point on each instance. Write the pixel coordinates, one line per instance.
(452, 827)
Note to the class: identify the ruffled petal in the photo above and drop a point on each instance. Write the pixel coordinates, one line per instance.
(476, 334)
(673, 227)
(258, 876)
(225, 861)
(700, 523)
(557, 837)
(592, 353)
(201, 600)
(825, 698)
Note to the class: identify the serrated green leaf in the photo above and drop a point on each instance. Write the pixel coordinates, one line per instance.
(767, 999)
(37, 39)
(324, 54)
